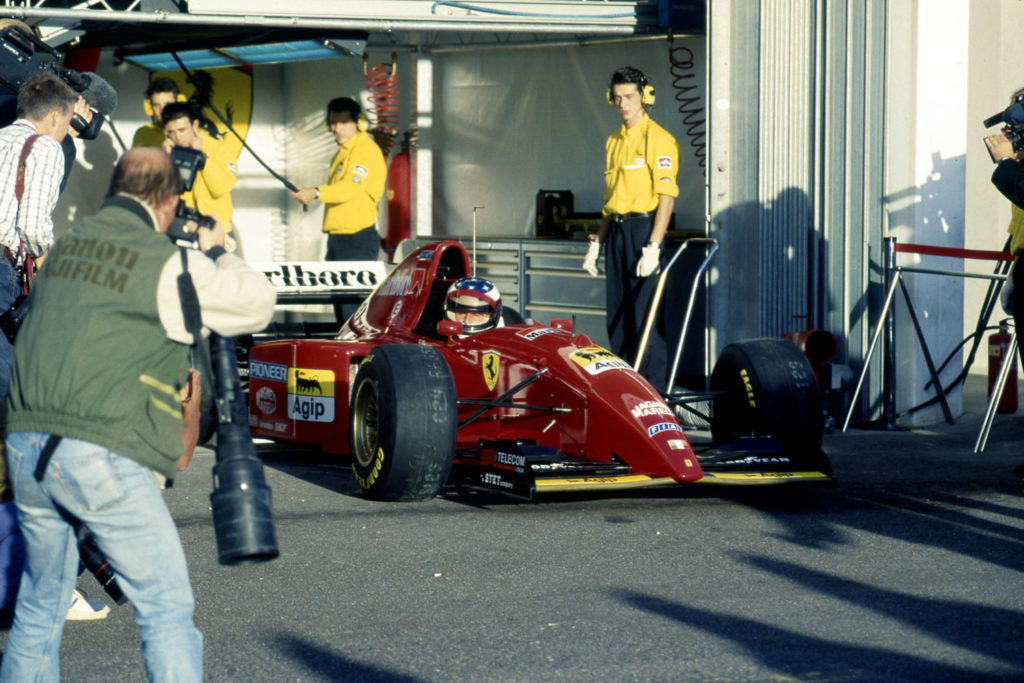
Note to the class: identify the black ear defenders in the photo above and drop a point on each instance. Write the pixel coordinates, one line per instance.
(628, 74)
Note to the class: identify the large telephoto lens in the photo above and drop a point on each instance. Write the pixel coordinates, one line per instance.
(242, 516)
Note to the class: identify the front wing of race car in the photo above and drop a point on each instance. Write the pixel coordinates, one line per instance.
(522, 470)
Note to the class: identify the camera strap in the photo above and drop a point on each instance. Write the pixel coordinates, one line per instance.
(191, 314)
(44, 456)
(189, 301)
(25, 265)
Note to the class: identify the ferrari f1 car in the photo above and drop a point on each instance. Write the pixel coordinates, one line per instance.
(524, 408)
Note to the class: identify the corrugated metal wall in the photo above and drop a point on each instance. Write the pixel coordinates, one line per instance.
(796, 168)
(785, 183)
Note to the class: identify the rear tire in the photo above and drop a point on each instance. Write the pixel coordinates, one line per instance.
(403, 423)
(768, 390)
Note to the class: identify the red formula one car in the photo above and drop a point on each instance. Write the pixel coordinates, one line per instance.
(522, 409)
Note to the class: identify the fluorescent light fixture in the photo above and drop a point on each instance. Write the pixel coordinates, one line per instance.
(193, 59)
(295, 51)
(270, 53)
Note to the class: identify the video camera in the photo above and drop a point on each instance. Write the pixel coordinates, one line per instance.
(189, 163)
(22, 55)
(1013, 119)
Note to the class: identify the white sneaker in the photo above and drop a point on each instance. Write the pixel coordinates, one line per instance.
(84, 609)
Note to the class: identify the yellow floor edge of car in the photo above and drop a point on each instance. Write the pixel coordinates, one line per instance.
(630, 481)
(762, 478)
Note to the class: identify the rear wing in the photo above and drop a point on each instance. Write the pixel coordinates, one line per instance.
(323, 282)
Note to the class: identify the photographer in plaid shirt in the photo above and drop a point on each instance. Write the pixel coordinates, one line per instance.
(32, 164)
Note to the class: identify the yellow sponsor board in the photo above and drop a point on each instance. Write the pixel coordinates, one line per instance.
(596, 359)
(311, 382)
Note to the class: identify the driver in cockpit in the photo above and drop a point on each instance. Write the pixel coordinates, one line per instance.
(474, 302)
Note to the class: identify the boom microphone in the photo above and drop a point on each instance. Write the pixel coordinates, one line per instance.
(100, 95)
(1011, 116)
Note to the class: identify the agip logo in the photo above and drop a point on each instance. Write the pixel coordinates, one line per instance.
(311, 394)
(595, 360)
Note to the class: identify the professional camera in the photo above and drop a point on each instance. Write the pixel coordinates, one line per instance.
(176, 230)
(22, 55)
(13, 317)
(1011, 116)
(1016, 138)
(242, 516)
(189, 163)
(95, 561)
(1012, 119)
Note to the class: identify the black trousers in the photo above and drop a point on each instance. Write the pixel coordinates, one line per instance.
(363, 245)
(628, 299)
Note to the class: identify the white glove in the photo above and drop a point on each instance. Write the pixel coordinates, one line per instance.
(1006, 294)
(590, 260)
(648, 263)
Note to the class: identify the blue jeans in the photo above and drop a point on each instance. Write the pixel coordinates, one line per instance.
(9, 291)
(119, 501)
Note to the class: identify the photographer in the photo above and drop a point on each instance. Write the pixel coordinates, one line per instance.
(18, 38)
(211, 192)
(90, 421)
(1009, 180)
(160, 93)
(31, 168)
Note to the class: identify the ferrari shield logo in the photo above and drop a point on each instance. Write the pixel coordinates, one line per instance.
(490, 365)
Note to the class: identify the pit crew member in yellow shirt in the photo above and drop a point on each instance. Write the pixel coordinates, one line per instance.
(642, 160)
(211, 192)
(355, 183)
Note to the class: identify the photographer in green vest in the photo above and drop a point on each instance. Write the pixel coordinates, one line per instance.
(95, 408)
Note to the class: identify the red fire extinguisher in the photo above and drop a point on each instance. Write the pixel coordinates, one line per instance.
(998, 345)
(398, 198)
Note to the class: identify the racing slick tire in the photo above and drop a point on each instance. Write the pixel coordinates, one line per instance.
(768, 389)
(403, 423)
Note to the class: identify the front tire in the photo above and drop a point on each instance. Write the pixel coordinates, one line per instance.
(768, 390)
(403, 423)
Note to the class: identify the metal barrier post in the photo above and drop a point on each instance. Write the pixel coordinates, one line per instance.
(883, 318)
(656, 302)
(997, 391)
(889, 361)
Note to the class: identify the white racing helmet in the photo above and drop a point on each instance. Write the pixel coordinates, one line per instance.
(474, 295)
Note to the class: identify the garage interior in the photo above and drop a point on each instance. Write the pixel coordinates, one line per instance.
(806, 129)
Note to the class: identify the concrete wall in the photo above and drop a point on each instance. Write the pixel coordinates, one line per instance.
(926, 147)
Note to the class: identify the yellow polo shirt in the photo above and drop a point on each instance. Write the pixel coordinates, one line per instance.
(640, 164)
(355, 183)
(1016, 229)
(150, 135)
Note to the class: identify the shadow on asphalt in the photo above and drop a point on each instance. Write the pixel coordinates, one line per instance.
(773, 645)
(335, 668)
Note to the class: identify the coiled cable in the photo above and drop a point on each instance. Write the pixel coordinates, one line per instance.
(682, 70)
(382, 81)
